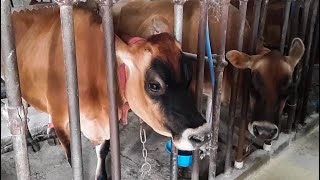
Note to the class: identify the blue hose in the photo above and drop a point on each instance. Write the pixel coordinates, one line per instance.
(209, 54)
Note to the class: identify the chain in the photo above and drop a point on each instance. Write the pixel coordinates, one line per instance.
(146, 167)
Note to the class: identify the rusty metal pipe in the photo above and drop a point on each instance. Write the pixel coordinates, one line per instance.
(234, 87)
(200, 73)
(285, 26)
(16, 113)
(263, 16)
(69, 52)
(243, 10)
(107, 21)
(221, 63)
(255, 27)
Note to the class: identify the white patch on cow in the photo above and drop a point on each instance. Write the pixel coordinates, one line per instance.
(93, 129)
(184, 142)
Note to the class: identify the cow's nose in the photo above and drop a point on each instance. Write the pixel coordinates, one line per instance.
(193, 138)
(264, 130)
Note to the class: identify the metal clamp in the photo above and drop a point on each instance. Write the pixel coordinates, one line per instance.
(17, 119)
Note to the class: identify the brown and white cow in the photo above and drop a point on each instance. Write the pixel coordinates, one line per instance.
(271, 72)
(156, 87)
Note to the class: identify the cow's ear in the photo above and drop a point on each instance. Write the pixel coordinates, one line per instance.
(123, 52)
(296, 52)
(240, 60)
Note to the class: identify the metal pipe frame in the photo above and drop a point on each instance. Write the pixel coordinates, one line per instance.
(216, 100)
(200, 75)
(107, 21)
(285, 26)
(178, 28)
(69, 52)
(263, 16)
(255, 27)
(234, 92)
(291, 102)
(293, 99)
(309, 74)
(305, 66)
(243, 10)
(16, 112)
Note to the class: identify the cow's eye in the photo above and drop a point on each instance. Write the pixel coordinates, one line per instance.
(154, 87)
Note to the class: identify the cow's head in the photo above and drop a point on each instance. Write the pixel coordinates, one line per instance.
(271, 84)
(157, 90)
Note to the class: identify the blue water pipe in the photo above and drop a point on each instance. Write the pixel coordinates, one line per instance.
(209, 54)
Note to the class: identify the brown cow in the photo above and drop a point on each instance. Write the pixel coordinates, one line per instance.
(156, 87)
(272, 72)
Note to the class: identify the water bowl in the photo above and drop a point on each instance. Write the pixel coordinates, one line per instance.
(184, 157)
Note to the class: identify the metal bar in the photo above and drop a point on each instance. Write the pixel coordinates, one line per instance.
(234, 88)
(243, 10)
(308, 86)
(178, 27)
(291, 103)
(69, 52)
(293, 100)
(17, 118)
(285, 26)
(257, 5)
(306, 60)
(264, 10)
(108, 30)
(200, 73)
(221, 63)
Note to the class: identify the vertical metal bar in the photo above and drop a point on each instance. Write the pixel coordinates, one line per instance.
(291, 103)
(178, 27)
(69, 52)
(264, 10)
(308, 87)
(285, 26)
(306, 60)
(200, 73)
(293, 99)
(17, 118)
(243, 10)
(234, 87)
(108, 30)
(257, 7)
(221, 63)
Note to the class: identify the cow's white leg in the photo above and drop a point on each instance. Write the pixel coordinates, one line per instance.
(208, 109)
(102, 151)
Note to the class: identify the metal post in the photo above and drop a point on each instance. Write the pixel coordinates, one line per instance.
(264, 10)
(306, 60)
(178, 27)
(17, 118)
(257, 5)
(221, 63)
(291, 103)
(285, 25)
(200, 73)
(69, 52)
(108, 30)
(232, 108)
(310, 72)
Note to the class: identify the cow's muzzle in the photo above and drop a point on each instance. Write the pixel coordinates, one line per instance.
(193, 138)
(264, 130)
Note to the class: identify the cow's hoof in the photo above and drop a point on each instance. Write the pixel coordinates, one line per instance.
(35, 146)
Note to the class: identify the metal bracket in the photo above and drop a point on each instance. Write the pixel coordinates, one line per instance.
(17, 120)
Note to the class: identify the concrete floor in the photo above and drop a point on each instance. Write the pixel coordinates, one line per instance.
(299, 162)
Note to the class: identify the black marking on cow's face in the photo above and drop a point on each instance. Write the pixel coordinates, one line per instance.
(173, 96)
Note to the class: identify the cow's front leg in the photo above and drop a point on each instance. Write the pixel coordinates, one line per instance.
(102, 151)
